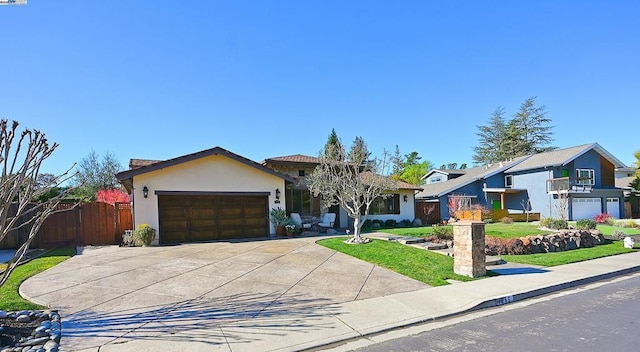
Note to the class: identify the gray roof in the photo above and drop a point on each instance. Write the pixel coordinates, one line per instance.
(471, 175)
(561, 157)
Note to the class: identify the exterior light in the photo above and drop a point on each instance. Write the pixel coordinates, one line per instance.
(277, 193)
(145, 191)
(406, 198)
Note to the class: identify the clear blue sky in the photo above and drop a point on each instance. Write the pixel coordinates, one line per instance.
(160, 79)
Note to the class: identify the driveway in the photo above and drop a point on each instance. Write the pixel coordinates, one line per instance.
(205, 293)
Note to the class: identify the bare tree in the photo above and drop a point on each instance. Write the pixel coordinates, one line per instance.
(526, 207)
(353, 182)
(21, 156)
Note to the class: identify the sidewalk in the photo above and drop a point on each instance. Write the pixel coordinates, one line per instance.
(315, 327)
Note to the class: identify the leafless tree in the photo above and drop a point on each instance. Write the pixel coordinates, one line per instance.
(21, 157)
(353, 182)
(562, 205)
(526, 207)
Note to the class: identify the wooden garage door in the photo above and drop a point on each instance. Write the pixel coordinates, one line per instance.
(188, 218)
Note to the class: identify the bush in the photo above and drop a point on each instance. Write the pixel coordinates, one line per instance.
(377, 221)
(546, 222)
(442, 231)
(611, 221)
(406, 223)
(502, 246)
(506, 220)
(366, 224)
(390, 223)
(602, 218)
(586, 224)
(618, 235)
(559, 224)
(144, 235)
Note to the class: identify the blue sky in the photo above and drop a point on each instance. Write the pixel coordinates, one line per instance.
(160, 79)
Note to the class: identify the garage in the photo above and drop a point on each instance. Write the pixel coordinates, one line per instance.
(585, 208)
(196, 217)
(613, 207)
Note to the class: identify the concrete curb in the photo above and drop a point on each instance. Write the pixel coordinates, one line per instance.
(491, 303)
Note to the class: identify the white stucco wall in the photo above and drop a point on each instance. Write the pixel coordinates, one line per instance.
(407, 209)
(215, 173)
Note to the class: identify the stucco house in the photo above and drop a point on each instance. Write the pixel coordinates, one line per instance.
(579, 179)
(400, 205)
(215, 194)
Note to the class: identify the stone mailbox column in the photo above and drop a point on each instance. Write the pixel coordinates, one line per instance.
(468, 248)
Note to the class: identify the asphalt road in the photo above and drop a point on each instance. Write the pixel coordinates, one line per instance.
(606, 318)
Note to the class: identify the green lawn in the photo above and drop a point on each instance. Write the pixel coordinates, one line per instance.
(515, 230)
(608, 229)
(566, 257)
(10, 299)
(431, 268)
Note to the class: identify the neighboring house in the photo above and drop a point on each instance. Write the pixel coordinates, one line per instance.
(578, 181)
(399, 206)
(624, 177)
(438, 175)
(209, 195)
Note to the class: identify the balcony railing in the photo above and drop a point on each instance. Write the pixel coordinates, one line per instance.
(565, 185)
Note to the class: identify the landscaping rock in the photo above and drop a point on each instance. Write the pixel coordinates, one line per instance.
(563, 240)
(416, 222)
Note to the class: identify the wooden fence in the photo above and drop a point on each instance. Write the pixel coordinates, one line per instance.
(94, 224)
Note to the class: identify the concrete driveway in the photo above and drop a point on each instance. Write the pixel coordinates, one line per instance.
(204, 294)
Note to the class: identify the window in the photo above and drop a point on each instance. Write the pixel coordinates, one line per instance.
(301, 202)
(389, 205)
(585, 177)
(565, 173)
(508, 181)
(301, 173)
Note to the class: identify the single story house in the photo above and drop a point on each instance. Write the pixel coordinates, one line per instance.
(578, 182)
(215, 194)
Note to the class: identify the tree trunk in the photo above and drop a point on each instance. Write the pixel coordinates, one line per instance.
(356, 229)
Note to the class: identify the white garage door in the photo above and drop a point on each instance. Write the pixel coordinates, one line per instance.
(613, 207)
(585, 208)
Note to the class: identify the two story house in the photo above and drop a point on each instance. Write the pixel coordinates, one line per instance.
(575, 183)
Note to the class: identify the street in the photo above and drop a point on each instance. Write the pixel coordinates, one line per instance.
(601, 319)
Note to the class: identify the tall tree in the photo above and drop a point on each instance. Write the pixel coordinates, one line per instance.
(21, 157)
(397, 163)
(413, 173)
(490, 138)
(535, 133)
(635, 183)
(353, 183)
(333, 146)
(96, 173)
(528, 132)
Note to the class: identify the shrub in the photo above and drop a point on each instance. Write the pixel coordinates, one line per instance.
(502, 246)
(618, 235)
(632, 223)
(406, 223)
(390, 223)
(546, 222)
(442, 231)
(377, 221)
(366, 224)
(602, 218)
(611, 221)
(586, 224)
(144, 234)
(559, 224)
(506, 220)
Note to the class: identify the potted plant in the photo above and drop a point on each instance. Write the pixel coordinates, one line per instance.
(291, 228)
(278, 217)
(144, 235)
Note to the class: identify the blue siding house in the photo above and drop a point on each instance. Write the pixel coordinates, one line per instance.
(573, 183)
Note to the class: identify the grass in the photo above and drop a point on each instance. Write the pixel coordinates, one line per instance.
(10, 299)
(567, 257)
(608, 229)
(515, 230)
(431, 268)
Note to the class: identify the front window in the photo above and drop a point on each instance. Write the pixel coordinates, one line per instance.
(585, 177)
(388, 205)
(301, 202)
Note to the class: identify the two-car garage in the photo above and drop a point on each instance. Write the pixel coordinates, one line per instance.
(196, 217)
(588, 208)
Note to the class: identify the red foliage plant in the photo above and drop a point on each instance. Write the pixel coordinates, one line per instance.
(601, 218)
(112, 196)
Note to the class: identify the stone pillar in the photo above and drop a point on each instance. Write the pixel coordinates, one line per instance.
(468, 248)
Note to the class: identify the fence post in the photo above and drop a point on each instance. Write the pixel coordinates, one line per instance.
(468, 248)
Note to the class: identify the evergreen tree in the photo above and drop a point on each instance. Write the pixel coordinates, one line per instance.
(333, 149)
(528, 132)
